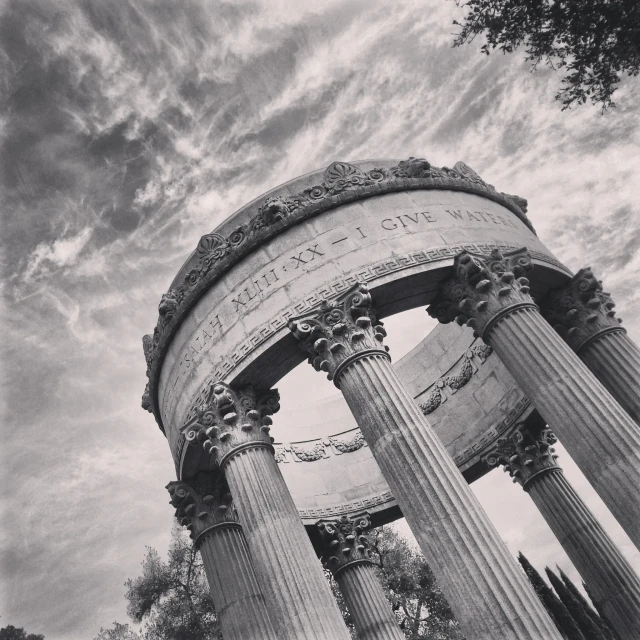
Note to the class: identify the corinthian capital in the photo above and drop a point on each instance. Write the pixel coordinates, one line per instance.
(340, 331)
(202, 503)
(580, 310)
(343, 541)
(525, 453)
(483, 289)
(231, 419)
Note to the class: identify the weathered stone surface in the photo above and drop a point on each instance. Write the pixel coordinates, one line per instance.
(345, 552)
(529, 458)
(525, 454)
(486, 589)
(582, 313)
(598, 434)
(236, 330)
(300, 601)
(229, 419)
(483, 289)
(204, 506)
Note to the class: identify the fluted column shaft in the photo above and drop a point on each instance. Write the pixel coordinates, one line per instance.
(367, 603)
(488, 593)
(298, 595)
(600, 563)
(615, 360)
(238, 601)
(598, 434)
(583, 314)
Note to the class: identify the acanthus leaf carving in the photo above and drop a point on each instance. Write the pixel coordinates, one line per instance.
(344, 541)
(581, 310)
(202, 502)
(524, 453)
(482, 288)
(230, 418)
(339, 330)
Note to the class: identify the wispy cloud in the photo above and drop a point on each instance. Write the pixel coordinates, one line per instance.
(130, 129)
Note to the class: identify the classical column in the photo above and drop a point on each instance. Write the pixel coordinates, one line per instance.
(233, 429)
(345, 553)
(582, 313)
(491, 295)
(529, 457)
(204, 506)
(486, 589)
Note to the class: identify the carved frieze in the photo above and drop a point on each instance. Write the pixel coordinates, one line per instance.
(202, 503)
(342, 182)
(340, 331)
(320, 448)
(483, 288)
(525, 454)
(343, 541)
(230, 418)
(580, 311)
(455, 381)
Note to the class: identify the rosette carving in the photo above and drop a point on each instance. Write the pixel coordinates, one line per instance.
(343, 541)
(483, 288)
(525, 453)
(340, 331)
(580, 310)
(201, 503)
(230, 418)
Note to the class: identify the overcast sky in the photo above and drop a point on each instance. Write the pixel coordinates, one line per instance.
(130, 128)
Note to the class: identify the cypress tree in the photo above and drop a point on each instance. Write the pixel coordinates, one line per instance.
(612, 633)
(590, 630)
(561, 617)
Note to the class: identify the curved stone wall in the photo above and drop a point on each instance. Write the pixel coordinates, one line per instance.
(330, 470)
(401, 242)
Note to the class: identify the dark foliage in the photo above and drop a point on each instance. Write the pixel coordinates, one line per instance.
(603, 616)
(18, 633)
(170, 598)
(554, 606)
(410, 585)
(591, 612)
(594, 42)
(590, 630)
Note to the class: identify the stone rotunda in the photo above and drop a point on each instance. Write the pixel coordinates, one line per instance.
(525, 352)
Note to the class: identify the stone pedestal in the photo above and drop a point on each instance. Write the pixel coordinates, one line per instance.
(204, 507)
(490, 294)
(346, 554)
(582, 313)
(486, 589)
(529, 458)
(233, 427)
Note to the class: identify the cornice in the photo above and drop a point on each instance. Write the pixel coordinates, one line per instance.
(341, 183)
